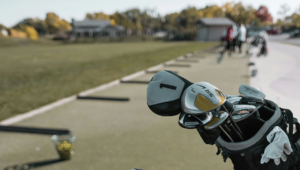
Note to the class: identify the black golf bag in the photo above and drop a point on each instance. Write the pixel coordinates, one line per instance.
(263, 49)
(246, 155)
(255, 41)
(260, 40)
(164, 94)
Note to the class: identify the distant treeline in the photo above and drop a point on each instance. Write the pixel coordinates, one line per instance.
(149, 21)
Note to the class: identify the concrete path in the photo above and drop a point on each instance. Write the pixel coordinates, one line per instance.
(279, 76)
(295, 41)
(125, 135)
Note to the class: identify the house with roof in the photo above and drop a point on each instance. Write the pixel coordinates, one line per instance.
(212, 29)
(95, 28)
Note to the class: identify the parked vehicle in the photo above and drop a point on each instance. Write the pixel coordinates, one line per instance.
(274, 31)
(295, 33)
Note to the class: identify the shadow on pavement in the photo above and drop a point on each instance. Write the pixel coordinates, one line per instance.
(32, 165)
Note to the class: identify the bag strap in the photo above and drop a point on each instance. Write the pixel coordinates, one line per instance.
(290, 120)
(296, 136)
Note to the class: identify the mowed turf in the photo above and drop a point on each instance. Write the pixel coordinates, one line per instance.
(34, 75)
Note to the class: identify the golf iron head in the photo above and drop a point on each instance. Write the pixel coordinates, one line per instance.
(234, 100)
(242, 112)
(251, 91)
(188, 121)
(255, 101)
(218, 118)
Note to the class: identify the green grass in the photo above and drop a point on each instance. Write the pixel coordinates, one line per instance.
(34, 75)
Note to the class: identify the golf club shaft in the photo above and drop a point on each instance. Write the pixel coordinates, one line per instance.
(240, 136)
(232, 121)
(226, 133)
(261, 120)
(227, 127)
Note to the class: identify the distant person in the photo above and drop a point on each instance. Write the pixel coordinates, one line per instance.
(235, 40)
(228, 46)
(242, 36)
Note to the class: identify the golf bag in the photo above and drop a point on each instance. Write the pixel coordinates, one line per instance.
(246, 155)
(259, 41)
(263, 49)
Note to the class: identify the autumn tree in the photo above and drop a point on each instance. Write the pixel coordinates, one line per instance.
(55, 24)
(39, 25)
(29, 31)
(213, 11)
(100, 16)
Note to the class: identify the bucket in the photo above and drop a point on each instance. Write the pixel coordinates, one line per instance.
(64, 145)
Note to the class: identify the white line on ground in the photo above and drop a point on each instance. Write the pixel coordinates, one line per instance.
(155, 67)
(131, 76)
(32, 113)
(169, 62)
(181, 58)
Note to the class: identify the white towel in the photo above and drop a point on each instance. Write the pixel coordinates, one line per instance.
(279, 144)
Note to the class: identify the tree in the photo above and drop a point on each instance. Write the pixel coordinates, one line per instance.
(29, 31)
(39, 25)
(64, 25)
(295, 19)
(53, 22)
(100, 16)
(284, 9)
(263, 14)
(211, 12)
(112, 22)
(2, 27)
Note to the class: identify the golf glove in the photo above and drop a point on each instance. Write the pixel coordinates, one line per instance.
(278, 147)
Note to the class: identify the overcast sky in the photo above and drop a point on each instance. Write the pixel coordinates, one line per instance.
(12, 11)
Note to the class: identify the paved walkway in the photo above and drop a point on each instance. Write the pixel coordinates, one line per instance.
(125, 135)
(279, 76)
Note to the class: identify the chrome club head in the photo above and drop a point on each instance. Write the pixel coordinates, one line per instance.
(218, 118)
(192, 121)
(242, 112)
(251, 91)
(234, 100)
(255, 101)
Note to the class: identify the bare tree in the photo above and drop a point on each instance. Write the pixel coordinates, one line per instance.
(284, 9)
(298, 10)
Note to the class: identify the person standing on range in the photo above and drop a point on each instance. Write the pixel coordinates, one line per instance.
(242, 36)
(228, 46)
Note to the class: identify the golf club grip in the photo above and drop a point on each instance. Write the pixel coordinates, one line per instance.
(43, 131)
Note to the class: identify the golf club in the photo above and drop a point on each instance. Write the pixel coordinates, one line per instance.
(234, 100)
(251, 91)
(219, 117)
(255, 101)
(242, 112)
(235, 127)
(192, 121)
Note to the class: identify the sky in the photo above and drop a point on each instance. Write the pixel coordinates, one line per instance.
(13, 11)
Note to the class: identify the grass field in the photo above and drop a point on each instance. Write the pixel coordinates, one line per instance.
(36, 74)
